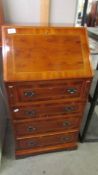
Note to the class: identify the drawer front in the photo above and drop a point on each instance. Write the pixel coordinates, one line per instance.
(45, 90)
(47, 110)
(45, 141)
(42, 126)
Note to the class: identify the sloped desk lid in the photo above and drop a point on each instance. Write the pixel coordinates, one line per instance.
(43, 53)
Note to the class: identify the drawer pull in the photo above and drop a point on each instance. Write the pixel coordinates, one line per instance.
(66, 123)
(31, 113)
(31, 143)
(29, 94)
(31, 129)
(69, 109)
(66, 139)
(72, 90)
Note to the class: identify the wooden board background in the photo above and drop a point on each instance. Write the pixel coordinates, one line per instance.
(44, 11)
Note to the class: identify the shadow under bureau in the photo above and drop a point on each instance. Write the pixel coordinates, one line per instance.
(47, 75)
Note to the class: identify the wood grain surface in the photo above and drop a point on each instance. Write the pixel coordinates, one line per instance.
(25, 93)
(45, 11)
(56, 124)
(52, 53)
(47, 74)
(46, 140)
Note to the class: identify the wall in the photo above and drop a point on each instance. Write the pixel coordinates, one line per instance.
(28, 11)
(63, 11)
(22, 11)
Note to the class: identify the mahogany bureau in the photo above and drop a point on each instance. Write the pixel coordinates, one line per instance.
(47, 75)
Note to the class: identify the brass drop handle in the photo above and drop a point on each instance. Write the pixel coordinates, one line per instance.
(31, 143)
(30, 113)
(72, 90)
(29, 94)
(69, 109)
(31, 129)
(65, 139)
(66, 123)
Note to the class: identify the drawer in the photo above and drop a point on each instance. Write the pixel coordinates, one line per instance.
(45, 141)
(25, 92)
(30, 127)
(47, 110)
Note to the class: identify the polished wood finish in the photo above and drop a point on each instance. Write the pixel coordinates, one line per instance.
(47, 109)
(28, 92)
(40, 150)
(61, 123)
(31, 44)
(47, 75)
(50, 140)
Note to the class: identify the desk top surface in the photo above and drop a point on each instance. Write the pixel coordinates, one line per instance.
(45, 53)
